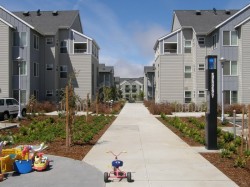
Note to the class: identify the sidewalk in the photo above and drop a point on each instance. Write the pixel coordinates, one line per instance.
(155, 155)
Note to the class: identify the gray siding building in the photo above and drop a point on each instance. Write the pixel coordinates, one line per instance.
(106, 76)
(131, 87)
(180, 56)
(50, 47)
(149, 82)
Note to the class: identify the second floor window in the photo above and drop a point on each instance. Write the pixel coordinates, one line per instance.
(19, 39)
(36, 69)
(188, 71)
(230, 68)
(187, 46)
(214, 41)
(230, 38)
(36, 42)
(63, 47)
(23, 68)
(49, 41)
(63, 71)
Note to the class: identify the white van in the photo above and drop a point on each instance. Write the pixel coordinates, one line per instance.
(9, 107)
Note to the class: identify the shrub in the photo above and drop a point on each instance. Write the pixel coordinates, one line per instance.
(157, 109)
(225, 153)
(240, 161)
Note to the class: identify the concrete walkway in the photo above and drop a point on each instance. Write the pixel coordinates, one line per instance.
(155, 156)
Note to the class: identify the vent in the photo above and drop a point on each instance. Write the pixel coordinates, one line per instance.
(198, 12)
(55, 13)
(27, 13)
(227, 12)
(215, 11)
(38, 12)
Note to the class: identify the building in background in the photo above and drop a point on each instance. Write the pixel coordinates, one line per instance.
(50, 47)
(149, 82)
(131, 88)
(180, 56)
(106, 76)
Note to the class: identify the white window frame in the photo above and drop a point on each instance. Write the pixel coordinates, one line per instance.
(201, 67)
(187, 72)
(214, 41)
(49, 41)
(64, 46)
(36, 42)
(23, 95)
(36, 67)
(201, 41)
(63, 71)
(188, 47)
(201, 93)
(230, 95)
(81, 43)
(15, 65)
(230, 38)
(20, 44)
(230, 68)
(48, 68)
(185, 96)
(49, 93)
(170, 43)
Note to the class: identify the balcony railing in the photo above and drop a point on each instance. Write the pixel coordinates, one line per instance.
(80, 50)
(170, 51)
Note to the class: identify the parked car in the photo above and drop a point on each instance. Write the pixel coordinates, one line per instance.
(9, 107)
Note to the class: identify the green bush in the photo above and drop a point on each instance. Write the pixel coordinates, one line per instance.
(240, 162)
(225, 153)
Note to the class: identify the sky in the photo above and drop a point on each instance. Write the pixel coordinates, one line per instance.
(125, 30)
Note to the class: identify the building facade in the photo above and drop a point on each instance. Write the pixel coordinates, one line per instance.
(50, 48)
(149, 82)
(106, 76)
(131, 88)
(180, 56)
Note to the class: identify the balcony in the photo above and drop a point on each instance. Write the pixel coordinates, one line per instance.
(170, 48)
(80, 47)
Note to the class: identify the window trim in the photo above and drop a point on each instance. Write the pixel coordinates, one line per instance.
(36, 41)
(19, 39)
(187, 97)
(49, 93)
(201, 68)
(200, 93)
(64, 46)
(64, 71)
(52, 40)
(214, 41)
(187, 72)
(16, 62)
(204, 40)
(36, 74)
(170, 43)
(230, 67)
(187, 47)
(230, 39)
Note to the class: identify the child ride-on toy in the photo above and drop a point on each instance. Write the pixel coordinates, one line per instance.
(117, 173)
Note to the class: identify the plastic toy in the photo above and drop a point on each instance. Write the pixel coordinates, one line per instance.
(23, 166)
(117, 173)
(41, 162)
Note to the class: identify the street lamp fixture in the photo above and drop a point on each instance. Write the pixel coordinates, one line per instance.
(19, 60)
(222, 60)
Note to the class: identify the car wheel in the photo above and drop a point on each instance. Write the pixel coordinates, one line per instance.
(6, 116)
(24, 112)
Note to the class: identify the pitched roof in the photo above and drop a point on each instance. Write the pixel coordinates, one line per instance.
(206, 21)
(131, 80)
(47, 23)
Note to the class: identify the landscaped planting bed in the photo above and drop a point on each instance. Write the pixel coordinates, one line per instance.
(234, 159)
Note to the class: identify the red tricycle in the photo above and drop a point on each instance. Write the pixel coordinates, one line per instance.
(117, 173)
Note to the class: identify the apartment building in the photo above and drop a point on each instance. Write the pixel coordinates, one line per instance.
(180, 56)
(50, 48)
(149, 82)
(131, 87)
(106, 76)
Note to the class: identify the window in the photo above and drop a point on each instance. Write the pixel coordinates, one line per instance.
(49, 41)
(201, 40)
(201, 93)
(49, 93)
(80, 47)
(23, 96)
(230, 68)
(49, 66)
(201, 67)
(63, 71)
(35, 93)
(231, 97)
(19, 39)
(170, 47)
(214, 40)
(23, 68)
(36, 42)
(187, 46)
(187, 96)
(36, 69)
(187, 71)
(63, 47)
(230, 38)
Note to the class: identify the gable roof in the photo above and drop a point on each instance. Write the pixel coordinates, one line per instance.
(203, 23)
(47, 23)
